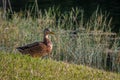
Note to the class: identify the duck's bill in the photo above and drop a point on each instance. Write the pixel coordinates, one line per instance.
(51, 33)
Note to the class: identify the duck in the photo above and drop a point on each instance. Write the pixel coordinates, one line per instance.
(38, 49)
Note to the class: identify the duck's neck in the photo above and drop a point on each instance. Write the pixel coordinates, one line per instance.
(45, 36)
(46, 39)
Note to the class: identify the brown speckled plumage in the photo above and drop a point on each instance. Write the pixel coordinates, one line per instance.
(38, 49)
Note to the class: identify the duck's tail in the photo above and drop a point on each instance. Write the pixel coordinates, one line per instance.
(20, 49)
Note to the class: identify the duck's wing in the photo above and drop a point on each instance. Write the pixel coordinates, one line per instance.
(34, 48)
(28, 46)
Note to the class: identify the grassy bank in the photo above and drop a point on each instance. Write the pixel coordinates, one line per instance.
(19, 67)
(76, 40)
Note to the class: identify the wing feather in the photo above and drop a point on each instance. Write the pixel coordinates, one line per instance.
(28, 46)
(38, 48)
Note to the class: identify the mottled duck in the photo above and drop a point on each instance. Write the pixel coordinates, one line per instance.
(38, 49)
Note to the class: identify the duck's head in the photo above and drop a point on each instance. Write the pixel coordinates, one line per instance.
(48, 31)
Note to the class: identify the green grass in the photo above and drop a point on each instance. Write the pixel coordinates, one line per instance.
(22, 67)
